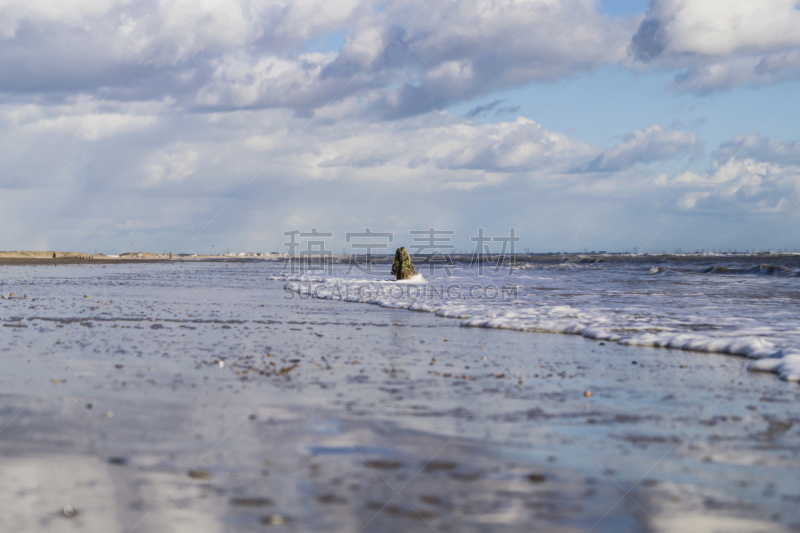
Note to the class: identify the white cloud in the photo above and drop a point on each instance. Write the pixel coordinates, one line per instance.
(646, 146)
(171, 166)
(172, 174)
(15, 12)
(721, 43)
(269, 81)
(471, 47)
(412, 57)
(753, 146)
(719, 27)
(439, 151)
(745, 186)
(104, 125)
(749, 174)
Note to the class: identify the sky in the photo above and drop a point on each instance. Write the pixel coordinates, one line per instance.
(205, 126)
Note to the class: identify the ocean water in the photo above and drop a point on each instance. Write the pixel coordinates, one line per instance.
(739, 304)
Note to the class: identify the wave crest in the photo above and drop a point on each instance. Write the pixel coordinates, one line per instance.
(763, 269)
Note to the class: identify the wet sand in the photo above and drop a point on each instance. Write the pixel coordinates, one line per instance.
(347, 417)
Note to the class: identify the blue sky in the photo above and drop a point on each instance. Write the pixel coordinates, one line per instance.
(582, 124)
(605, 105)
(622, 8)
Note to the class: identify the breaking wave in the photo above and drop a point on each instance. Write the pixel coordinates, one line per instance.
(760, 270)
(610, 305)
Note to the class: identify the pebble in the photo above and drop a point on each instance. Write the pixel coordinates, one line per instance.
(68, 510)
(273, 520)
(199, 474)
(587, 393)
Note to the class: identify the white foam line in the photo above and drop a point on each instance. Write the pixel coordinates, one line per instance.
(784, 361)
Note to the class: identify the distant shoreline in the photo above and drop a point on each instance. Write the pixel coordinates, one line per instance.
(90, 260)
(75, 258)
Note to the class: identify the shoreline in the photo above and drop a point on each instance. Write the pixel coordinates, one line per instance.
(458, 259)
(105, 260)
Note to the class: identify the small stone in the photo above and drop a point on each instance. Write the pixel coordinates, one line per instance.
(402, 267)
(587, 393)
(273, 520)
(110, 414)
(199, 474)
(68, 510)
(251, 502)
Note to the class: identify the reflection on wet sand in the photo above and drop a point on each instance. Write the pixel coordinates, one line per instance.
(145, 398)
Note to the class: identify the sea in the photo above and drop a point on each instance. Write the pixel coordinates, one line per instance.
(738, 304)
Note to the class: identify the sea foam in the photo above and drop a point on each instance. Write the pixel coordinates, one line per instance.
(631, 307)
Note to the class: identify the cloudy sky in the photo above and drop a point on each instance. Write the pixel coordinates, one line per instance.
(213, 125)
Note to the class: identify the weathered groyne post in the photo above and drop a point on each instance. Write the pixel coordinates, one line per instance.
(402, 267)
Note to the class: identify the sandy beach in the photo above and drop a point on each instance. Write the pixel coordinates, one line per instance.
(199, 397)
